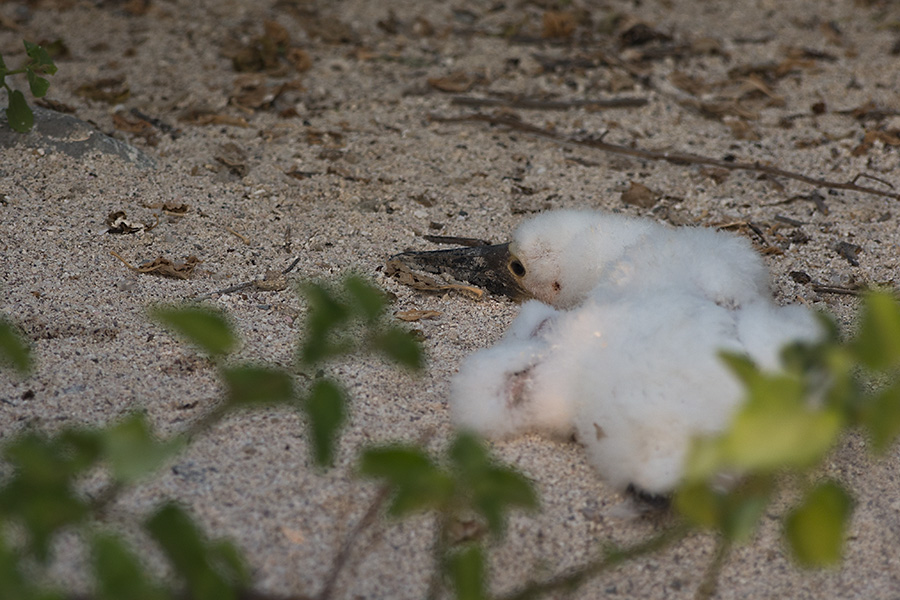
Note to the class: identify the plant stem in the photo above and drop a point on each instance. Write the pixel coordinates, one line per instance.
(439, 551)
(711, 577)
(610, 559)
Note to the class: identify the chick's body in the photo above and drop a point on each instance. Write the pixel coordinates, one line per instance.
(632, 364)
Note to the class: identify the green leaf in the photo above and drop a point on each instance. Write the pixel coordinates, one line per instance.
(699, 504)
(773, 429)
(18, 114)
(13, 350)
(40, 59)
(742, 367)
(202, 327)
(208, 569)
(877, 343)
(881, 417)
(366, 300)
(325, 314)
(118, 573)
(40, 493)
(399, 346)
(815, 530)
(735, 512)
(493, 489)
(325, 408)
(742, 512)
(133, 451)
(257, 385)
(417, 483)
(13, 582)
(705, 458)
(467, 573)
(770, 438)
(38, 85)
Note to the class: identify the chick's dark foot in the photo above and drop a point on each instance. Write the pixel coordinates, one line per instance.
(648, 502)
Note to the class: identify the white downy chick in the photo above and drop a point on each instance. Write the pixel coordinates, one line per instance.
(633, 366)
(563, 257)
(636, 381)
(492, 394)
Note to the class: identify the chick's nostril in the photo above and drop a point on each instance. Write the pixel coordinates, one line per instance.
(517, 268)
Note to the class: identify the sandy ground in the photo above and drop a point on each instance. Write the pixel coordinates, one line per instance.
(340, 165)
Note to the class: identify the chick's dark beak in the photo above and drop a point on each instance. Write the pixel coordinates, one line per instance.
(487, 267)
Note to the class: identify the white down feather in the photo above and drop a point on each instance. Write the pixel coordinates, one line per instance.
(631, 364)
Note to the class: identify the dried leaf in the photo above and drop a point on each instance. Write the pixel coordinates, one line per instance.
(199, 116)
(849, 251)
(295, 536)
(138, 127)
(717, 174)
(639, 195)
(251, 92)
(117, 222)
(274, 281)
(640, 34)
(179, 269)
(416, 314)
(742, 130)
(232, 156)
(300, 59)
(112, 90)
(888, 138)
(558, 24)
(170, 208)
(457, 82)
(694, 86)
(402, 273)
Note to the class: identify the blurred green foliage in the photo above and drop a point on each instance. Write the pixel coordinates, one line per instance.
(39, 495)
(18, 113)
(471, 484)
(786, 428)
(14, 352)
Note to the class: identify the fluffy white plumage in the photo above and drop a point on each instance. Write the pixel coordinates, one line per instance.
(622, 345)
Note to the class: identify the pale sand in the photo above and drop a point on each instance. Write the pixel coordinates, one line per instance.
(393, 174)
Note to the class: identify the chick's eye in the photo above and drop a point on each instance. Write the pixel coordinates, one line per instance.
(517, 268)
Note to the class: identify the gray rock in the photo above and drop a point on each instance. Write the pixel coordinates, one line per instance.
(70, 135)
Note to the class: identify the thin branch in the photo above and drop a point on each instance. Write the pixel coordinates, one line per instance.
(439, 554)
(540, 104)
(568, 582)
(341, 559)
(710, 582)
(677, 158)
(234, 288)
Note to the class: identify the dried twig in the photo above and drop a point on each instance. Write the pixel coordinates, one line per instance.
(247, 284)
(678, 158)
(539, 104)
(241, 237)
(832, 289)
